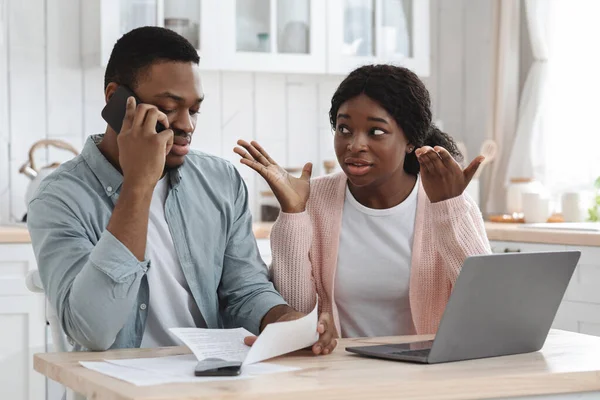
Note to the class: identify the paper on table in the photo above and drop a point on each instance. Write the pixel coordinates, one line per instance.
(138, 377)
(284, 337)
(228, 344)
(172, 369)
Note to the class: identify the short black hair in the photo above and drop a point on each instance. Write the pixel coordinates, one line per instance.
(142, 47)
(404, 96)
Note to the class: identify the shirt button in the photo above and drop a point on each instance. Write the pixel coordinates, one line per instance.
(143, 306)
(109, 189)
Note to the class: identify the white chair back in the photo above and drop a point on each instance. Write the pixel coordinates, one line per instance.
(59, 339)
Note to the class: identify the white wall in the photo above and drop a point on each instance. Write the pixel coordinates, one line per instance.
(46, 93)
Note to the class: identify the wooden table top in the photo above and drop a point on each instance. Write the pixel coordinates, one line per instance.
(568, 363)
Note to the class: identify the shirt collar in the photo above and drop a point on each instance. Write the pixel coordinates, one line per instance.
(110, 178)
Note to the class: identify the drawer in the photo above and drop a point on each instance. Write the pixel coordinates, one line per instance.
(578, 317)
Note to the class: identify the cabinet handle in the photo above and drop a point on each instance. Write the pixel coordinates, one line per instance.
(509, 250)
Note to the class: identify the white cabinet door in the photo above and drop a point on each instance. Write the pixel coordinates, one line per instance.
(378, 31)
(580, 310)
(586, 280)
(22, 322)
(272, 36)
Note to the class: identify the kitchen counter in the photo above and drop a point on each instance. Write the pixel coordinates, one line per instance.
(14, 234)
(517, 233)
(495, 231)
(19, 234)
(508, 233)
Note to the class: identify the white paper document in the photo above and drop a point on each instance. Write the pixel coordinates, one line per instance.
(228, 344)
(173, 369)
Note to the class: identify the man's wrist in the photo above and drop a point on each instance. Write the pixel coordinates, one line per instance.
(275, 314)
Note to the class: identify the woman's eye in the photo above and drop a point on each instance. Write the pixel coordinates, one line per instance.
(377, 132)
(343, 130)
(194, 112)
(166, 111)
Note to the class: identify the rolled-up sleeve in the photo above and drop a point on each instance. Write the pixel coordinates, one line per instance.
(92, 286)
(245, 292)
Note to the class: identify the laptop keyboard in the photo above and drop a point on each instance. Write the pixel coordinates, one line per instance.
(413, 353)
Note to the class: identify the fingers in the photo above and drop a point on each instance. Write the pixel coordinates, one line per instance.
(306, 172)
(129, 113)
(323, 323)
(166, 137)
(329, 349)
(242, 153)
(254, 152)
(424, 160)
(255, 165)
(140, 114)
(446, 157)
(263, 152)
(469, 172)
(249, 340)
(163, 119)
(326, 342)
(248, 160)
(153, 115)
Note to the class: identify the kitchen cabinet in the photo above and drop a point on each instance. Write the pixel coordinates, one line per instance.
(23, 332)
(105, 21)
(276, 36)
(272, 36)
(580, 309)
(378, 31)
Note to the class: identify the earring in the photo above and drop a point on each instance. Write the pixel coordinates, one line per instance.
(410, 149)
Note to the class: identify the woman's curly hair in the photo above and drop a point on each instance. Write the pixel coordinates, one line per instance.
(402, 94)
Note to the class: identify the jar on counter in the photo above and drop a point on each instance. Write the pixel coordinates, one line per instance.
(515, 190)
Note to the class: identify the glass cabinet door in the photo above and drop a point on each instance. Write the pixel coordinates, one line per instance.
(183, 17)
(272, 26)
(137, 13)
(293, 26)
(396, 28)
(358, 28)
(274, 35)
(378, 31)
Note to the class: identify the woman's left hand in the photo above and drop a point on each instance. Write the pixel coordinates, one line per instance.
(441, 175)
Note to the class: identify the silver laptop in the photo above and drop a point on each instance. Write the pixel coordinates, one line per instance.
(501, 304)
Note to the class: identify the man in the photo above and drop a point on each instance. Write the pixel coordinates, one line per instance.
(139, 233)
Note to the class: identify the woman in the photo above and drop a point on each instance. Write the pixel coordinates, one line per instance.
(381, 243)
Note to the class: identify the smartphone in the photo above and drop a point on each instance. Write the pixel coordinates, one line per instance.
(114, 111)
(218, 367)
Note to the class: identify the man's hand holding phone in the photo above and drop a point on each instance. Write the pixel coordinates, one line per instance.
(142, 150)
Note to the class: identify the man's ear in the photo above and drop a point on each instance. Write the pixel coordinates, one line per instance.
(110, 90)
